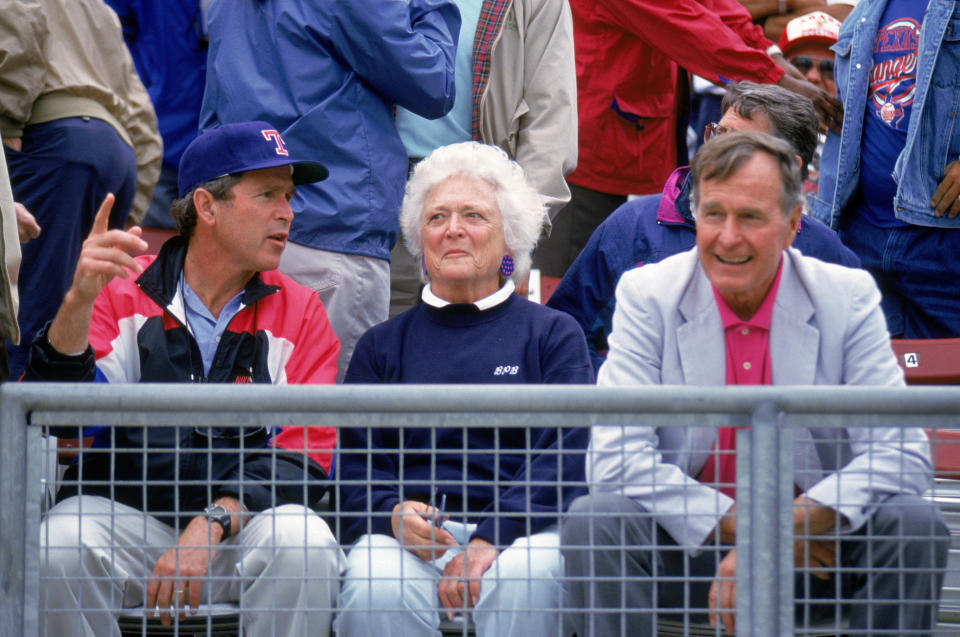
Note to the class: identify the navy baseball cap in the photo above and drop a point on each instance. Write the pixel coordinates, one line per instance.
(237, 148)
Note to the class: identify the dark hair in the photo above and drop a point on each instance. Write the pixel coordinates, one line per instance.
(792, 116)
(185, 213)
(723, 155)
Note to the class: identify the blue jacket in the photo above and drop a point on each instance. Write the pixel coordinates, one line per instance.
(647, 230)
(327, 73)
(933, 138)
(168, 44)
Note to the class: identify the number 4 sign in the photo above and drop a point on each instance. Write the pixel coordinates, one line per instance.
(910, 359)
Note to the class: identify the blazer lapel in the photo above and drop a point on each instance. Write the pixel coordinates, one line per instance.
(794, 342)
(700, 339)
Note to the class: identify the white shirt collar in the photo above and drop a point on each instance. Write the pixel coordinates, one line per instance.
(485, 303)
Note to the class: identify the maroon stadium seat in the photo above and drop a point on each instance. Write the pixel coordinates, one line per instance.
(934, 361)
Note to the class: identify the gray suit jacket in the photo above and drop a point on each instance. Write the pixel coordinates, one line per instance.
(827, 329)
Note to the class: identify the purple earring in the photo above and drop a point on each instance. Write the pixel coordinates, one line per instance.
(423, 264)
(506, 265)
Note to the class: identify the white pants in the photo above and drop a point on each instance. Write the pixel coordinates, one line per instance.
(355, 291)
(388, 590)
(96, 557)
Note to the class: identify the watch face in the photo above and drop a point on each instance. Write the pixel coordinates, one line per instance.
(219, 514)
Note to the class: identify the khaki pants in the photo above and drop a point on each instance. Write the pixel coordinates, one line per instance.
(97, 555)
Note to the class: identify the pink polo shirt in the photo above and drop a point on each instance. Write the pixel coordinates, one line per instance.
(748, 363)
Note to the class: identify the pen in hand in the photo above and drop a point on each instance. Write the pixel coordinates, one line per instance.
(439, 514)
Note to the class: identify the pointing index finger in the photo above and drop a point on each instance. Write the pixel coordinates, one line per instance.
(103, 215)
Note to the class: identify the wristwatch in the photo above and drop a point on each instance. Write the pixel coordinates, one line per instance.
(219, 514)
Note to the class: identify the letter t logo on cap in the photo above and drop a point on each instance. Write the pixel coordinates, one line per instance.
(275, 136)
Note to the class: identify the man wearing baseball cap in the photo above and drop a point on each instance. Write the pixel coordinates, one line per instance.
(806, 43)
(209, 308)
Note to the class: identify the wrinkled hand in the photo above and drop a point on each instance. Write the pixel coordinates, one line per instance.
(105, 254)
(416, 526)
(946, 199)
(722, 599)
(178, 576)
(828, 107)
(27, 226)
(465, 571)
(16, 143)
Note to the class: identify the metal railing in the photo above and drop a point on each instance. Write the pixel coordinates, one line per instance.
(764, 535)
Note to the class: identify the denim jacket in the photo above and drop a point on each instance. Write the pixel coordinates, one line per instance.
(933, 137)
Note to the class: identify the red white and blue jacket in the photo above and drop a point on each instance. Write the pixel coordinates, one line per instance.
(138, 333)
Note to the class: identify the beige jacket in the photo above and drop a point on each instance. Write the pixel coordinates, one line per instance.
(67, 58)
(529, 107)
(9, 256)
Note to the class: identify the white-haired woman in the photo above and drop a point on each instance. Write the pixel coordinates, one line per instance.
(472, 220)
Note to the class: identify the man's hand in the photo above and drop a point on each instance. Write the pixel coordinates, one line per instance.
(816, 555)
(178, 576)
(828, 107)
(810, 518)
(788, 68)
(722, 599)
(465, 571)
(417, 526)
(105, 254)
(16, 143)
(946, 200)
(27, 226)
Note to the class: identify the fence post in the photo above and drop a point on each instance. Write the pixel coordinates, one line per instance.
(764, 526)
(13, 471)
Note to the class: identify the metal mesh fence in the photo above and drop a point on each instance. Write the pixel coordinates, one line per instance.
(482, 510)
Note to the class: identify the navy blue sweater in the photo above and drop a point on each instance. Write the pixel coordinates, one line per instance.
(520, 489)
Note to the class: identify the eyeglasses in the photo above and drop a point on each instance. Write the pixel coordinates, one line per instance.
(713, 129)
(804, 63)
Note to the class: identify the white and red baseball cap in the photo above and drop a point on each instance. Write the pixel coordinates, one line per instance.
(813, 28)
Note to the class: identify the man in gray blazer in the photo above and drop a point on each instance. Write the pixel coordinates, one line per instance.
(745, 308)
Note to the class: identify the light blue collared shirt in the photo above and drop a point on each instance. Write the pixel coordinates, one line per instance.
(206, 329)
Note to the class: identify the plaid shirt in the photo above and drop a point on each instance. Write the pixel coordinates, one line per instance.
(491, 19)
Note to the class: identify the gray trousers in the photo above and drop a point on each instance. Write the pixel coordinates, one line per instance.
(354, 290)
(405, 283)
(96, 557)
(623, 571)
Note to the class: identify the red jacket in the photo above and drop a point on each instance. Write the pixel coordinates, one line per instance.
(628, 53)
